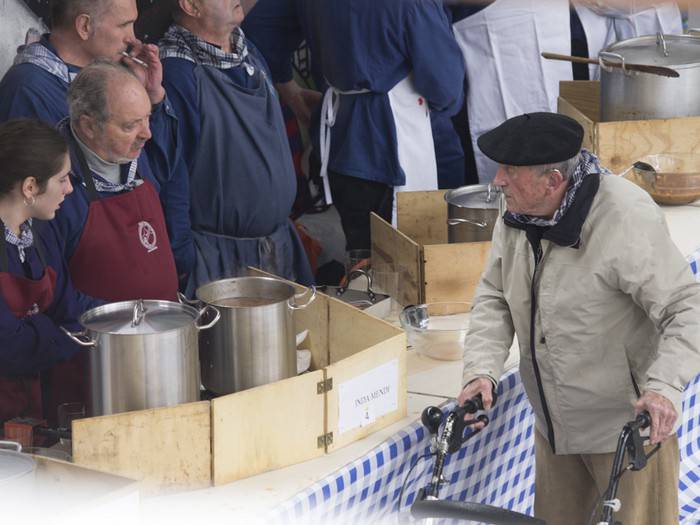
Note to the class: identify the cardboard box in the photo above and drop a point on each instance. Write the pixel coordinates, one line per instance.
(356, 386)
(620, 144)
(430, 269)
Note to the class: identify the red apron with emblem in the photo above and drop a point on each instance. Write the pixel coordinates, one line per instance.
(123, 254)
(21, 396)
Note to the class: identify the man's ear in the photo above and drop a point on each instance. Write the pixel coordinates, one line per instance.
(556, 178)
(83, 26)
(88, 126)
(190, 7)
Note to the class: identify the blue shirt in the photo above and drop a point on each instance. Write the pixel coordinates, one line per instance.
(370, 44)
(36, 343)
(28, 90)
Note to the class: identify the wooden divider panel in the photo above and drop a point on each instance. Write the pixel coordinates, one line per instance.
(372, 387)
(168, 448)
(390, 246)
(422, 216)
(267, 427)
(452, 271)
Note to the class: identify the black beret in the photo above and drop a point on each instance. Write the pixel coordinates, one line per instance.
(533, 139)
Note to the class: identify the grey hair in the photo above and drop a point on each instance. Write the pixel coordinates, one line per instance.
(64, 12)
(566, 168)
(87, 94)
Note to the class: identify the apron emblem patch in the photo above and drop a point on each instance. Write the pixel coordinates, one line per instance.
(33, 310)
(147, 236)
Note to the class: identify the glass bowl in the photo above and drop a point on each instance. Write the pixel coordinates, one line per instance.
(437, 330)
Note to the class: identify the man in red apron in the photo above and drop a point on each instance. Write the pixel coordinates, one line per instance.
(116, 240)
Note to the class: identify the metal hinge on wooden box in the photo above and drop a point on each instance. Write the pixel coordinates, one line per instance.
(324, 440)
(324, 386)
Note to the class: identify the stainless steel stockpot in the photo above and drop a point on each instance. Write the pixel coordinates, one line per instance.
(17, 475)
(472, 212)
(254, 343)
(626, 95)
(142, 354)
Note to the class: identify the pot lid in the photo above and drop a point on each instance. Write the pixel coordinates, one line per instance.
(483, 196)
(14, 465)
(680, 50)
(138, 317)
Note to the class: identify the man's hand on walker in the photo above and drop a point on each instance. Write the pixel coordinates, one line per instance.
(663, 415)
(480, 385)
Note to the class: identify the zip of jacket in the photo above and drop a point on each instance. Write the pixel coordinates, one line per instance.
(535, 242)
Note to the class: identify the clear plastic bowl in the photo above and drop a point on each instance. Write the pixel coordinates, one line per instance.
(674, 178)
(437, 330)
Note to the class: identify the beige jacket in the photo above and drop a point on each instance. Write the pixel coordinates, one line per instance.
(618, 308)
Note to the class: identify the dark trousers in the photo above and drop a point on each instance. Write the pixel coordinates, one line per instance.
(355, 199)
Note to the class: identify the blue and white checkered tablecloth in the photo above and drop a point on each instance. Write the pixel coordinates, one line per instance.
(496, 468)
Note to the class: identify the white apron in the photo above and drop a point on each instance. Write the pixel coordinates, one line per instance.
(414, 136)
(665, 18)
(502, 46)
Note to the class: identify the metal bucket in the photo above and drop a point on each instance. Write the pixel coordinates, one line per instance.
(254, 343)
(143, 354)
(472, 212)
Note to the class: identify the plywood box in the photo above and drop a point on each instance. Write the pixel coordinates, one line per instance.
(354, 357)
(620, 144)
(430, 269)
(165, 448)
(356, 386)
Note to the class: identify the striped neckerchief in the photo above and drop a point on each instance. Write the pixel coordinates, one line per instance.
(588, 163)
(178, 42)
(23, 241)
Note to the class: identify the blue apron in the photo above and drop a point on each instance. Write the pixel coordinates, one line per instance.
(242, 183)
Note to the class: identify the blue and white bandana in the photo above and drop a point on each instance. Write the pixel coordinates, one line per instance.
(23, 241)
(178, 42)
(38, 54)
(588, 163)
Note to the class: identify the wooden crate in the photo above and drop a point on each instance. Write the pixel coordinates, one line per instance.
(620, 144)
(165, 448)
(307, 416)
(430, 269)
(239, 435)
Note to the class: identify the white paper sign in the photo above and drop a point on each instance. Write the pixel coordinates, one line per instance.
(369, 396)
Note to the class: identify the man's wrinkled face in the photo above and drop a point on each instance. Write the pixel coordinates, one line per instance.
(524, 188)
(222, 14)
(112, 30)
(127, 129)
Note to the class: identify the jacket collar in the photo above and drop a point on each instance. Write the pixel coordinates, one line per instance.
(567, 232)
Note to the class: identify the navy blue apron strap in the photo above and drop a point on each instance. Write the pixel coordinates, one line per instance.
(87, 175)
(3, 249)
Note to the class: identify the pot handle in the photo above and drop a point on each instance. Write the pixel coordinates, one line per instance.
(456, 221)
(295, 306)
(13, 445)
(217, 316)
(613, 58)
(76, 337)
(182, 299)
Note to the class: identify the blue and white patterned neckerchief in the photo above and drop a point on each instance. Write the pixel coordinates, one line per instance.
(178, 42)
(588, 164)
(41, 56)
(23, 241)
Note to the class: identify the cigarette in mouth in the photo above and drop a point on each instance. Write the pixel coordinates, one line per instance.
(137, 60)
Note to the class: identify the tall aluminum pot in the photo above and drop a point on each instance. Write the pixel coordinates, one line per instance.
(254, 343)
(17, 477)
(626, 95)
(142, 354)
(472, 212)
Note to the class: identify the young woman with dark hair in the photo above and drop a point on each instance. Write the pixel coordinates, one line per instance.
(36, 295)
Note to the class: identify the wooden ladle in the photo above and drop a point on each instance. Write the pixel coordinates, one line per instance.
(652, 70)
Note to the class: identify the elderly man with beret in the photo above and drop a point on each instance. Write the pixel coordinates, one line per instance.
(607, 314)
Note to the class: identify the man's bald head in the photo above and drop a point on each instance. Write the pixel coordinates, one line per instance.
(90, 92)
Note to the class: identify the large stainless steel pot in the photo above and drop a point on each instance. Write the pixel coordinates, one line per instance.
(254, 343)
(143, 354)
(472, 212)
(17, 473)
(626, 95)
